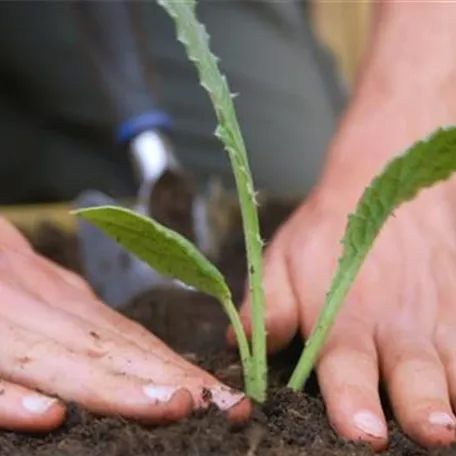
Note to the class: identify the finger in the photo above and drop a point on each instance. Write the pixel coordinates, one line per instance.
(36, 362)
(120, 356)
(445, 342)
(154, 361)
(348, 377)
(444, 333)
(42, 279)
(281, 315)
(153, 358)
(417, 385)
(116, 342)
(24, 410)
(64, 319)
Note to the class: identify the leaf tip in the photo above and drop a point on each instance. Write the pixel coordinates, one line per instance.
(79, 212)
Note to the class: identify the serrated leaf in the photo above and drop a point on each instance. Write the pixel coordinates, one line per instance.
(423, 165)
(166, 251)
(193, 35)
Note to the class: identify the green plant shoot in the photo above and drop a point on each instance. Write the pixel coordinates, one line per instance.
(421, 166)
(195, 39)
(172, 255)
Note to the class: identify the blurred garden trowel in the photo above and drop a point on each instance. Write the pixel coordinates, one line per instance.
(116, 275)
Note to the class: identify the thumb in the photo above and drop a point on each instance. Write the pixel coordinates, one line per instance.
(281, 312)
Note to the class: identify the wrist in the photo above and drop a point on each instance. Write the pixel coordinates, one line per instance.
(370, 136)
(406, 90)
(376, 128)
(356, 159)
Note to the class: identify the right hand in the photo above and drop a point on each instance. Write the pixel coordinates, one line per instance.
(397, 326)
(59, 343)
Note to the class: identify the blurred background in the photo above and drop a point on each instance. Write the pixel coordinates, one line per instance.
(28, 183)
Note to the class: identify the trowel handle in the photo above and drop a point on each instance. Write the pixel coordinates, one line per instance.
(115, 50)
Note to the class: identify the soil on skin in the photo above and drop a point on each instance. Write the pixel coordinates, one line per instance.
(288, 424)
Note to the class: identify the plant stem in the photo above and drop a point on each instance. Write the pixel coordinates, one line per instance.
(421, 166)
(254, 246)
(342, 282)
(243, 344)
(194, 37)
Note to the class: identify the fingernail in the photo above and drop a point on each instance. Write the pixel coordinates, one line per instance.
(441, 419)
(160, 393)
(225, 398)
(370, 424)
(37, 403)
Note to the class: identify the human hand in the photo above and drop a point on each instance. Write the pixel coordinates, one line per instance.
(59, 343)
(398, 323)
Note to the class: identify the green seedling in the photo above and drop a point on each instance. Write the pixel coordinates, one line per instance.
(172, 255)
(424, 164)
(421, 166)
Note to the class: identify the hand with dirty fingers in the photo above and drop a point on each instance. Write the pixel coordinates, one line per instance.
(59, 343)
(397, 328)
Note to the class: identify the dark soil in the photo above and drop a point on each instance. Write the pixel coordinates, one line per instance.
(289, 424)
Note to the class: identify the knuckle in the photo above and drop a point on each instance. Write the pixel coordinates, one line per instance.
(98, 345)
(410, 356)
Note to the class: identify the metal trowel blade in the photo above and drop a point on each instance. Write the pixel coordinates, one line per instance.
(115, 275)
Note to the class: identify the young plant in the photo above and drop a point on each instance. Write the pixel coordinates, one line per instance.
(170, 254)
(172, 247)
(421, 166)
